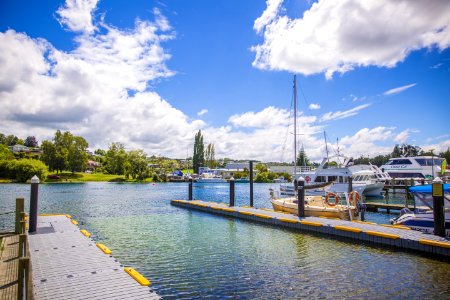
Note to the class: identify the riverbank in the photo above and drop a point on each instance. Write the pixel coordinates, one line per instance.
(69, 177)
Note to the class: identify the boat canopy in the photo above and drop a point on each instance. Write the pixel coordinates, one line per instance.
(427, 188)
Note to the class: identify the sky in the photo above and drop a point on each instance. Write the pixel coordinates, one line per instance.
(150, 74)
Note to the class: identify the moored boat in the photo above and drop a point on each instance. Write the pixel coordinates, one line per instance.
(319, 206)
(423, 219)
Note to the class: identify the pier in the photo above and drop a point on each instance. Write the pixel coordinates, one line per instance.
(400, 237)
(67, 264)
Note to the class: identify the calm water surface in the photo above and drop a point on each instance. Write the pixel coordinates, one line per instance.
(188, 254)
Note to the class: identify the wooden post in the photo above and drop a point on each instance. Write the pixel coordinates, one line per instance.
(251, 182)
(231, 191)
(22, 245)
(34, 203)
(301, 197)
(19, 208)
(190, 188)
(393, 185)
(23, 277)
(438, 207)
(406, 193)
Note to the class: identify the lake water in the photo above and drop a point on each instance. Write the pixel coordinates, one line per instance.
(193, 255)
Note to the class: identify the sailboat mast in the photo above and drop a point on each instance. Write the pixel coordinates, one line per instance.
(326, 145)
(295, 125)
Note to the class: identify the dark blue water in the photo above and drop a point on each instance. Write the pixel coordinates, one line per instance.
(188, 254)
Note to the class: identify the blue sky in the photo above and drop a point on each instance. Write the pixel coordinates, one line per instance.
(152, 73)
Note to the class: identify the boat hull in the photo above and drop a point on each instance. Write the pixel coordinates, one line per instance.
(338, 211)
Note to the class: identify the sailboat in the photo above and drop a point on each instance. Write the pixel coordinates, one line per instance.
(315, 205)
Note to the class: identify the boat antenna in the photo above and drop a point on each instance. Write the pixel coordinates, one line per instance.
(326, 146)
(295, 125)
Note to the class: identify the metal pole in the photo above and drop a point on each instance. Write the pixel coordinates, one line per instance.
(190, 188)
(301, 197)
(34, 203)
(231, 191)
(251, 183)
(438, 207)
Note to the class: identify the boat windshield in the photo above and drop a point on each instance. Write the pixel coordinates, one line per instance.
(399, 162)
(430, 161)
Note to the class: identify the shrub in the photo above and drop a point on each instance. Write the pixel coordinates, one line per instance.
(22, 170)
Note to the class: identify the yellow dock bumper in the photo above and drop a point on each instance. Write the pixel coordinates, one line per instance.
(104, 249)
(137, 276)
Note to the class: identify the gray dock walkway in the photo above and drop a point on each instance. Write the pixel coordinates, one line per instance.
(386, 235)
(66, 264)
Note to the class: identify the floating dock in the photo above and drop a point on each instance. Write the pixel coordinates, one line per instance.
(68, 264)
(400, 237)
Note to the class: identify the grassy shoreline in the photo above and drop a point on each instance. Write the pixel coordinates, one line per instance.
(69, 177)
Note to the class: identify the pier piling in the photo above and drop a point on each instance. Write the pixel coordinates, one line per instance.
(34, 203)
(301, 197)
(231, 191)
(190, 188)
(251, 182)
(438, 207)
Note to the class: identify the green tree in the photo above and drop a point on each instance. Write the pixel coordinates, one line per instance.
(116, 158)
(31, 142)
(5, 153)
(198, 157)
(12, 140)
(52, 158)
(76, 155)
(210, 156)
(261, 168)
(446, 155)
(302, 158)
(138, 164)
(396, 152)
(100, 152)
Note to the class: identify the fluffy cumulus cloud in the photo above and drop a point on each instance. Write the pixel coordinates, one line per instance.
(337, 36)
(98, 90)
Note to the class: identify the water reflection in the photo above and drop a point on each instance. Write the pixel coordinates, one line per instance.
(192, 255)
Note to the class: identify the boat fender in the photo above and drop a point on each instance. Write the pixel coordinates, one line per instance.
(336, 199)
(354, 195)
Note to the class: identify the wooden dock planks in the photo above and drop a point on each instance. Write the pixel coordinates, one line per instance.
(66, 264)
(358, 231)
(9, 267)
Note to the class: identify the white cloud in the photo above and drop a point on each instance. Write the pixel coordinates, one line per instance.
(329, 116)
(398, 90)
(337, 36)
(314, 106)
(77, 15)
(202, 112)
(268, 15)
(403, 136)
(270, 116)
(98, 90)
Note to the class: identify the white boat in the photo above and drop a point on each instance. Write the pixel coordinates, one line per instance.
(280, 180)
(336, 175)
(417, 167)
(372, 176)
(210, 178)
(422, 217)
